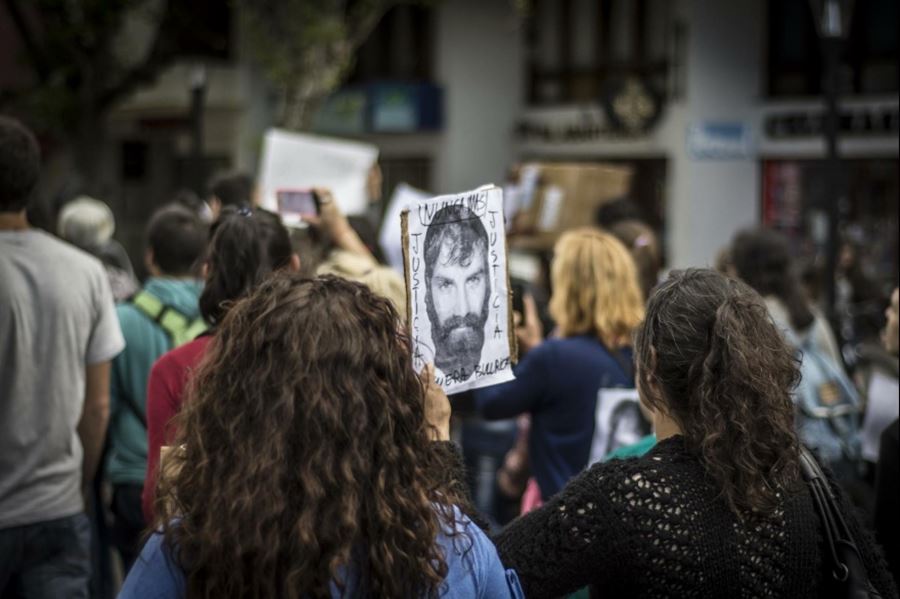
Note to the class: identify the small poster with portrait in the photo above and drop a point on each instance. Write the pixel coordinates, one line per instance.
(459, 308)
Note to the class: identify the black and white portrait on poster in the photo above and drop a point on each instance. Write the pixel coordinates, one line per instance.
(455, 264)
(618, 421)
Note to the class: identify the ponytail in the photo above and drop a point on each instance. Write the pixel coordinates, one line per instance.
(726, 377)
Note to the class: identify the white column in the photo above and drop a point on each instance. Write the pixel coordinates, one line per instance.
(480, 62)
(711, 199)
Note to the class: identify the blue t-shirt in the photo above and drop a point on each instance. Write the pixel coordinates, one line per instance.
(474, 570)
(557, 382)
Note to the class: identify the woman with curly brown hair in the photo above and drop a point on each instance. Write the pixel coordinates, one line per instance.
(718, 507)
(308, 466)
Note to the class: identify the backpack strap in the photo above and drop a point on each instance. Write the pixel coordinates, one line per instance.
(846, 562)
(178, 327)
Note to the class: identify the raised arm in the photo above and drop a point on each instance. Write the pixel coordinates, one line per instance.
(333, 221)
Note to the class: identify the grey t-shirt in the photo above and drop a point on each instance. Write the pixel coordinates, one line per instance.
(56, 317)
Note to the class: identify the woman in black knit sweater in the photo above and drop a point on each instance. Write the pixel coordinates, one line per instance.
(718, 507)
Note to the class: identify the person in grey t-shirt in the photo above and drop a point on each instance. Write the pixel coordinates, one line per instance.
(59, 332)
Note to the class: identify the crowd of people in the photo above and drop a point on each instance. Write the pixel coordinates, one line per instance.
(247, 422)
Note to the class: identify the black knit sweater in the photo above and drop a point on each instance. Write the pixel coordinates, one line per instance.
(656, 527)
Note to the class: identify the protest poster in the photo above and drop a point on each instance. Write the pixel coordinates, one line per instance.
(390, 235)
(299, 161)
(618, 422)
(455, 265)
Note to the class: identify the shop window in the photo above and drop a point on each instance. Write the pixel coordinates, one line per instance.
(578, 49)
(794, 195)
(400, 47)
(869, 56)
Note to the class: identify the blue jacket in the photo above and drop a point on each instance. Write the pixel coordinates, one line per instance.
(557, 382)
(473, 570)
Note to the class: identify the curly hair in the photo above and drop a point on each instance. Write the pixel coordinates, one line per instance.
(595, 287)
(305, 452)
(725, 375)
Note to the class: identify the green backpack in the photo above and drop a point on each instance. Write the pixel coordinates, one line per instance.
(176, 325)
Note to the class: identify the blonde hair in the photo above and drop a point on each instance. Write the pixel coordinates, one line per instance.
(595, 287)
(382, 280)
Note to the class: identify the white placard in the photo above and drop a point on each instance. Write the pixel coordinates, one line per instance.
(390, 237)
(525, 266)
(299, 161)
(528, 181)
(458, 292)
(512, 202)
(553, 200)
(882, 408)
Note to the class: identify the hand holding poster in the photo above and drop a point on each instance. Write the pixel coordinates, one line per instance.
(454, 251)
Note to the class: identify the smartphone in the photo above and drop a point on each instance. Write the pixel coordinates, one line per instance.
(297, 201)
(519, 289)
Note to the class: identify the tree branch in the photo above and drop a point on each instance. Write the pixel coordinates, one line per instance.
(363, 21)
(162, 53)
(36, 57)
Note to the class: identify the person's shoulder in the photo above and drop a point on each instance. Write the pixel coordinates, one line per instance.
(84, 274)
(154, 573)
(183, 356)
(470, 555)
(565, 348)
(128, 314)
(656, 465)
(555, 347)
(62, 252)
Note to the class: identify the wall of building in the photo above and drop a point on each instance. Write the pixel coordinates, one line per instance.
(713, 198)
(719, 72)
(480, 63)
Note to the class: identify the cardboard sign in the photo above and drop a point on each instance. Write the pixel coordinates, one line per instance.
(298, 161)
(460, 319)
(565, 196)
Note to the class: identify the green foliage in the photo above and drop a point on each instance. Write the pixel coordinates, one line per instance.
(71, 48)
(306, 49)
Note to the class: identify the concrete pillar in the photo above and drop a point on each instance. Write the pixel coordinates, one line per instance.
(711, 199)
(480, 62)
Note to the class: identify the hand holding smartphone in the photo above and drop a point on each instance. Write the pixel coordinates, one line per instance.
(294, 204)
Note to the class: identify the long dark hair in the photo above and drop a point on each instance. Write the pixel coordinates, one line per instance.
(306, 453)
(245, 246)
(763, 260)
(725, 376)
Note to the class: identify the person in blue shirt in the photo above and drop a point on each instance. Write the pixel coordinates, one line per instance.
(312, 461)
(596, 304)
